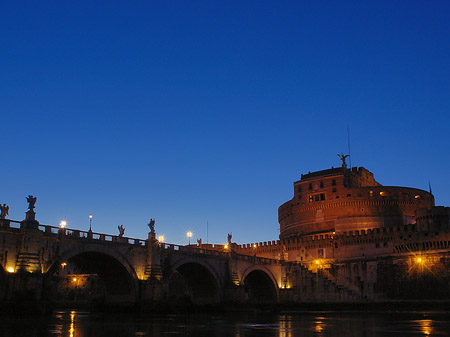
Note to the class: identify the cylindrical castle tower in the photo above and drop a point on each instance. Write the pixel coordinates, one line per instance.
(341, 200)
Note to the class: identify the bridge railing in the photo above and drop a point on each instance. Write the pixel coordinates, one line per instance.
(193, 249)
(87, 235)
(214, 252)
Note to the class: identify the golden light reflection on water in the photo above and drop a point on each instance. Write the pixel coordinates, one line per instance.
(426, 326)
(285, 328)
(319, 325)
(72, 318)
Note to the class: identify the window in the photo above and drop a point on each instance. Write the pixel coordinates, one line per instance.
(370, 193)
(321, 184)
(334, 189)
(299, 196)
(299, 189)
(317, 197)
(333, 182)
(310, 186)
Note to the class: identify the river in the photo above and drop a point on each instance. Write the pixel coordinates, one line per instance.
(256, 324)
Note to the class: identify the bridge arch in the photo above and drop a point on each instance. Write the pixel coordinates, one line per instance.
(195, 280)
(260, 285)
(109, 270)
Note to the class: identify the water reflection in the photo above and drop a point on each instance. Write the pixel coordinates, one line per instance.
(426, 326)
(319, 325)
(256, 324)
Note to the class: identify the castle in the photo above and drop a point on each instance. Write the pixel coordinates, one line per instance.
(374, 239)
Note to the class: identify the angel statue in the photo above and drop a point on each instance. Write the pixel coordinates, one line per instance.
(31, 201)
(4, 211)
(342, 158)
(230, 235)
(121, 230)
(151, 225)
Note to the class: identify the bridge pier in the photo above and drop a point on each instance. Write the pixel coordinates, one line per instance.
(153, 269)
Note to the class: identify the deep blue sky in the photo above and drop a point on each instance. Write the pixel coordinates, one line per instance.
(196, 111)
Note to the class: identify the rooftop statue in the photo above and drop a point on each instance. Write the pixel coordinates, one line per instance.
(121, 230)
(230, 235)
(342, 158)
(4, 211)
(31, 201)
(199, 242)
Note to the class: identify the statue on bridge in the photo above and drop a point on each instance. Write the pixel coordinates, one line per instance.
(230, 235)
(151, 225)
(30, 221)
(31, 201)
(199, 241)
(4, 211)
(121, 230)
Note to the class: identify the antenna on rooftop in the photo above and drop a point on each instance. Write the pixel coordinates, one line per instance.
(348, 140)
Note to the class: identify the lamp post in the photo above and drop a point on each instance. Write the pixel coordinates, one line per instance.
(189, 235)
(90, 222)
(63, 224)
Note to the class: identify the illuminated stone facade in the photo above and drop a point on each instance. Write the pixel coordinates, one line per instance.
(341, 200)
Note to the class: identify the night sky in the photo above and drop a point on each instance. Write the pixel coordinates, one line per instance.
(203, 111)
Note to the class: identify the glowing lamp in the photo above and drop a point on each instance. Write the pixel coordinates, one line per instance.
(161, 238)
(189, 235)
(63, 224)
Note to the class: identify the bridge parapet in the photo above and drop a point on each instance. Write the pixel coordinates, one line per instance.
(76, 234)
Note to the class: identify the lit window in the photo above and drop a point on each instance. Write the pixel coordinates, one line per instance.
(311, 198)
(370, 193)
(417, 196)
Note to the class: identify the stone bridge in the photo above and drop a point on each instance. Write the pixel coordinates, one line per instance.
(43, 262)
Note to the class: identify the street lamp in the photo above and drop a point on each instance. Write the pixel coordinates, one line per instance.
(90, 222)
(63, 224)
(189, 235)
(161, 238)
